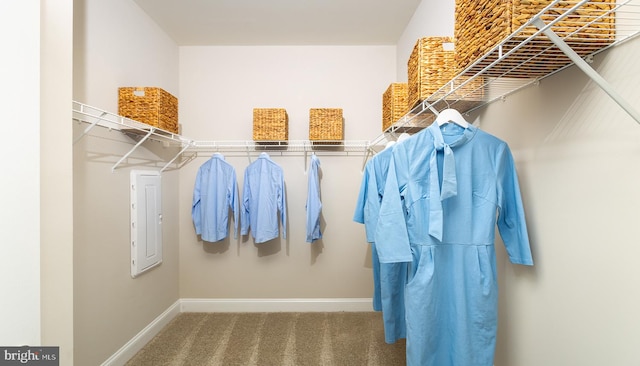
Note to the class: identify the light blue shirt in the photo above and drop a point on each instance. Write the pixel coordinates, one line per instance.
(372, 191)
(389, 279)
(263, 196)
(446, 191)
(314, 204)
(215, 192)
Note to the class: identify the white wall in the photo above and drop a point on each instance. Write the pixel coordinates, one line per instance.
(219, 87)
(36, 247)
(56, 177)
(20, 193)
(116, 44)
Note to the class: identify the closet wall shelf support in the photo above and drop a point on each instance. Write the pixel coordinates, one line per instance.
(132, 149)
(90, 127)
(538, 49)
(586, 68)
(184, 148)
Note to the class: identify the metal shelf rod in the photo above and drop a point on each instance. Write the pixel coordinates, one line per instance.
(584, 66)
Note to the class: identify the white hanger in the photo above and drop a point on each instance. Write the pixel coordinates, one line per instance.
(451, 115)
(403, 136)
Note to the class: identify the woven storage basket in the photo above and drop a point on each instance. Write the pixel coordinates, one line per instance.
(149, 105)
(394, 104)
(481, 24)
(431, 66)
(270, 124)
(326, 124)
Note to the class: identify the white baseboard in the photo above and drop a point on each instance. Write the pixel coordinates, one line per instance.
(126, 352)
(275, 305)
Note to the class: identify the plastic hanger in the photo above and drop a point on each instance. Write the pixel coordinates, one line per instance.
(451, 115)
(403, 136)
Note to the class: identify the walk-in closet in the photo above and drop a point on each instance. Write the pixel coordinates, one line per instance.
(557, 98)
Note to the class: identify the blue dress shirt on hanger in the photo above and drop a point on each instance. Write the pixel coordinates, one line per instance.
(263, 196)
(215, 192)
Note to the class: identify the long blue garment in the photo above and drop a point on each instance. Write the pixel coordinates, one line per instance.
(263, 196)
(451, 186)
(215, 192)
(389, 279)
(314, 204)
(363, 215)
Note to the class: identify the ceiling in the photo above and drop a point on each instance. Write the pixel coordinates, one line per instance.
(281, 22)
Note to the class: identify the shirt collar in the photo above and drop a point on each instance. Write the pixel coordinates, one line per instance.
(449, 187)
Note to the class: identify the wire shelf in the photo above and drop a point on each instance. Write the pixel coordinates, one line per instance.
(98, 117)
(190, 149)
(525, 57)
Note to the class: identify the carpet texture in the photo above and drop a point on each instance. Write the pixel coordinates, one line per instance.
(277, 339)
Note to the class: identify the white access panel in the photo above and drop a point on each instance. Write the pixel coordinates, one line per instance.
(146, 221)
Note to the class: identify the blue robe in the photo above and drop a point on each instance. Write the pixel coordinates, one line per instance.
(314, 204)
(389, 279)
(446, 190)
(263, 196)
(214, 194)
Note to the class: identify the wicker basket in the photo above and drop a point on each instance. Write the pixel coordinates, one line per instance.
(431, 66)
(326, 124)
(481, 24)
(270, 124)
(149, 105)
(394, 104)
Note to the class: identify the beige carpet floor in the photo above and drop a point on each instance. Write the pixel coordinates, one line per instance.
(277, 339)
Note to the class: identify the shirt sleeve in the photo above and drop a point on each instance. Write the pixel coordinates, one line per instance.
(358, 215)
(282, 203)
(314, 205)
(511, 220)
(196, 213)
(392, 238)
(233, 202)
(244, 209)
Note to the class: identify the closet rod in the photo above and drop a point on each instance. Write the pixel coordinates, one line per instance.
(287, 146)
